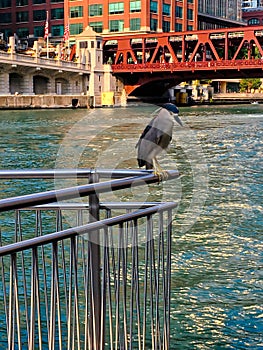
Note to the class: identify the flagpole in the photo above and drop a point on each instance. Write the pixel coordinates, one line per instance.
(47, 38)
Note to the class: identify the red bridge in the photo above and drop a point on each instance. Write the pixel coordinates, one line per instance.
(141, 60)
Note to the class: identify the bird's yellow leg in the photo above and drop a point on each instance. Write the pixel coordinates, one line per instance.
(159, 171)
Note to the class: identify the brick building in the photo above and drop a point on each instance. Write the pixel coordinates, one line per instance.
(134, 15)
(27, 18)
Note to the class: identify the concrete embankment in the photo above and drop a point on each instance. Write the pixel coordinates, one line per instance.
(45, 101)
(238, 97)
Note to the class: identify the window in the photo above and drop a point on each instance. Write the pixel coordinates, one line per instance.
(166, 26)
(153, 24)
(154, 7)
(22, 32)
(76, 11)
(21, 2)
(116, 7)
(190, 14)
(178, 27)
(7, 32)
(95, 10)
(135, 24)
(6, 17)
(96, 26)
(57, 30)
(54, 1)
(116, 26)
(190, 1)
(57, 13)
(39, 15)
(76, 28)
(36, 2)
(83, 45)
(253, 21)
(22, 16)
(135, 6)
(38, 31)
(166, 9)
(190, 28)
(5, 3)
(179, 12)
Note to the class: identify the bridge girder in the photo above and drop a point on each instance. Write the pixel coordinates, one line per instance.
(139, 59)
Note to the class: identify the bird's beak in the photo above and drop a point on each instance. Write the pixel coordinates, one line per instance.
(177, 119)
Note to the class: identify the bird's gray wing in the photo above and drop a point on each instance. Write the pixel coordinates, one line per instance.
(155, 137)
(145, 131)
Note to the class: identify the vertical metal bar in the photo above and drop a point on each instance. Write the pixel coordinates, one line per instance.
(117, 296)
(76, 299)
(94, 249)
(159, 275)
(69, 316)
(4, 286)
(133, 284)
(19, 237)
(152, 277)
(35, 303)
(38, 302)
(145, 291)
(168, 276)
(59, 227)
(45, 284)
(32, 303)
(11, 302)
(104, 281)
(124, 283)
(86, 269)
(16, 299)
(54, 282)
(136, 267)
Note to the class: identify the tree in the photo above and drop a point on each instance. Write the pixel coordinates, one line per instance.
(251, 83)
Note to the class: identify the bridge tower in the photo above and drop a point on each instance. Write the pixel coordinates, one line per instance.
(101, 86)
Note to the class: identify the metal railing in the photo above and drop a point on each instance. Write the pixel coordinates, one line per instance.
(102, 283)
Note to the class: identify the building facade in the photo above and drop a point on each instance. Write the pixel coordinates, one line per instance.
(251, 4)
(252, 12)
(27, 18)
(219, 13)
(131, 15)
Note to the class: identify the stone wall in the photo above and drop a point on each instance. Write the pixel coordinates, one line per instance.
(42, 101)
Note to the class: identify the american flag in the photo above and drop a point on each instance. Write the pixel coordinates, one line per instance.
(46, 28)
(66, 33)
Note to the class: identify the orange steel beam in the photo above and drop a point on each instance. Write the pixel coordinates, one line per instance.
(228, 50)
(184, 41)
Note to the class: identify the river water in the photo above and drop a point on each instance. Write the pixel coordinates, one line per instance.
(217, 258)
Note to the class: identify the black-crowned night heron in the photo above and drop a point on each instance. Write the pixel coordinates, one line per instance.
(156, 137)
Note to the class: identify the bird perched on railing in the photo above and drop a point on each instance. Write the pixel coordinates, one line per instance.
(156, 137)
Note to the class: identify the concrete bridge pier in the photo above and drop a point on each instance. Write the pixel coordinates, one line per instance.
(4, 83)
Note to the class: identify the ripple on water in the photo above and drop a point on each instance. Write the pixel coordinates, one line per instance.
(216, 287)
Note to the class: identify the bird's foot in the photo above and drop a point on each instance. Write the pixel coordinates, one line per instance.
(162, 174)
(158, 171)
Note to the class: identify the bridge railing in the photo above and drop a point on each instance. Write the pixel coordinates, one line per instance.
(43, 61)
(100, 281)
(198, 65)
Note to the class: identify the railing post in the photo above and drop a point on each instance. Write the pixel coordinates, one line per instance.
(95, 263)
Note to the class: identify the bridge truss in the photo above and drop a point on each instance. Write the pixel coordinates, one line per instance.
(222, 53)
